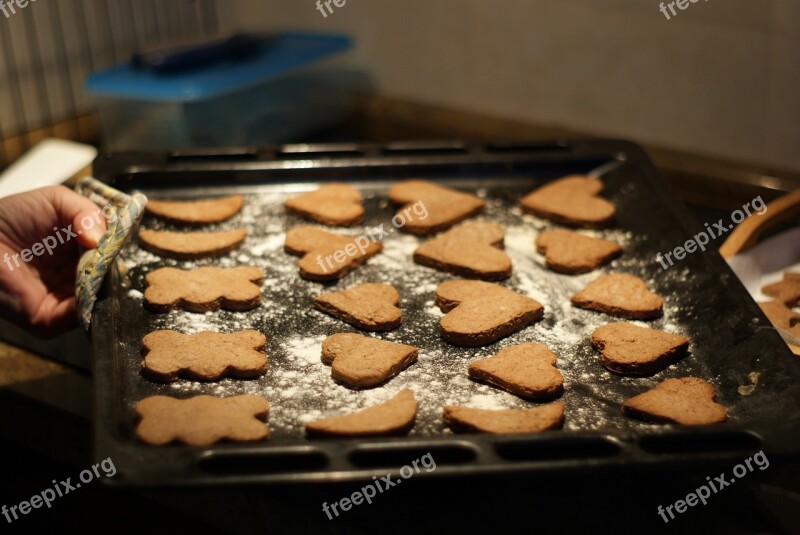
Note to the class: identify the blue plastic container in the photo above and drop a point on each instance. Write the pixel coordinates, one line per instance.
(279, 94)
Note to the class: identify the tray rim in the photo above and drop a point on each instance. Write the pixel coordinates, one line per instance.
(775, 438)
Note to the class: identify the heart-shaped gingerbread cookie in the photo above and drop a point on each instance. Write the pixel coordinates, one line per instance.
(504, 421)
(572, 201)
(331, 204)
(526, 370)
(440, 207)
(477, 313)
(619, 294)
(628, 349)
(685, 401)
(362, 362)
(370, 306)
(569, 252)
(393, 417)
(471, 250)
(327, 256)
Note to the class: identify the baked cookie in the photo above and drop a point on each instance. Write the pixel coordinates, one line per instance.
(203, 289)
(326, 256)
(472, 249)
(628, 349)
(504, 421)
(782, 317)
(205, 356)
(685, 401)
(620, 295)
(190, 245)
(787, 291)
(779, 314)
(440, 207)
(569, 252)
(572, 201)
(200, 212)
(358, 361)
(477, 313)
(330, 204)
(393, 417)
(526, 370)
(201, 420)
(370, 306)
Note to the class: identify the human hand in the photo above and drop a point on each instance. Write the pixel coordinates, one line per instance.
(40, 232)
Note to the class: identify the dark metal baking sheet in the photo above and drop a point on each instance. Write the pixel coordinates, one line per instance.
(730, 339)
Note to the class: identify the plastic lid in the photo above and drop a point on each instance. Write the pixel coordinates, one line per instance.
(277, 56)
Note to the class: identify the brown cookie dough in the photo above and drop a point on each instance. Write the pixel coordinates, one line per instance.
(203, 289)
(390, 418)
(198, 212)
(326, 256)
(504, 421)
(569, 252)
(205, 356)
(202, 420)
(782, 317)
(787, 291)
(471, 250)
(330, 204)
(620, 295)
(362, 362)
(526, 370)
(572, 201)
(370, 306)
(685, 401)
(477, 313)
(628, 349)
(444, 207)
(190, 245)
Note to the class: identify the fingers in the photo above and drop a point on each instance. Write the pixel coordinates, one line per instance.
(42, 313)
(54, 316)
(85, 217)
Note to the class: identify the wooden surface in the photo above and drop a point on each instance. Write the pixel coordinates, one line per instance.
(748, 232)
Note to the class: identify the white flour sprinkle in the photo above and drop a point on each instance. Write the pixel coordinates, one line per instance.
(484, 401)
(306, 350)
(297, 383)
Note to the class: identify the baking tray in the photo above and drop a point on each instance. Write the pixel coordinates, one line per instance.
(730, 339)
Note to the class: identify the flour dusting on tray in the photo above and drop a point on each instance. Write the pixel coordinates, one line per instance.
(299, 386)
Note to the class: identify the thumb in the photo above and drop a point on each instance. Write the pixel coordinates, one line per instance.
(90, 227)
(87, 219)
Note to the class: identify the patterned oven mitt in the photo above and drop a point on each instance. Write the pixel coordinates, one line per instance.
(123, 213)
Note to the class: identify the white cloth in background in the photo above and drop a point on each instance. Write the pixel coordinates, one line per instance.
(50, 162)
